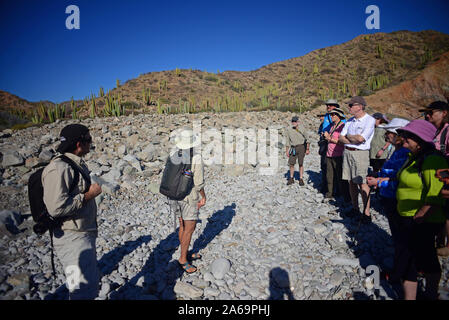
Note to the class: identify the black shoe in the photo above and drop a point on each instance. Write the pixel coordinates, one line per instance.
(301, 182)
(290, 181)
(366, 219)
(353, 213)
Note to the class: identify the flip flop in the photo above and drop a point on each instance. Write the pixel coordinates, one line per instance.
(195, 256)
(187, 266)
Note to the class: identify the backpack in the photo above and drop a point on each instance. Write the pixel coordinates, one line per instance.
(443, 146)
(43, 220)
(177, 178)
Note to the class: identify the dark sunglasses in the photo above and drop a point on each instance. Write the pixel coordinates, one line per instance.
(409, 135)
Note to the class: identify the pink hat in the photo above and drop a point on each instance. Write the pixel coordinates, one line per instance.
(422, 128)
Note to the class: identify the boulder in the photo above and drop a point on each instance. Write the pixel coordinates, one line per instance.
(220, 267)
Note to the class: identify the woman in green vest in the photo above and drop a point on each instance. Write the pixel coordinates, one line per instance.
(420, 208)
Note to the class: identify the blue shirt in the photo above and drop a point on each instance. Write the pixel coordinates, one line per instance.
(389, 170)
(327, 124)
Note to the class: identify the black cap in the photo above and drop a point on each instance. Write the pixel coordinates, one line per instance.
(436, 105)
(295, 119)
(72, 134)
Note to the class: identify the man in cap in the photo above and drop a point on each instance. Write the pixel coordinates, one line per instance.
(187, 210)
(74, 239)
(356, 136)
(437, 113)
(378, 150)
(296, 148)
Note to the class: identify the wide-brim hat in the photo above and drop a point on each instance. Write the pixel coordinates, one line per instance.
(338, 112)
(186, 139)
(394, 124)
(332, 102)
(421, 128)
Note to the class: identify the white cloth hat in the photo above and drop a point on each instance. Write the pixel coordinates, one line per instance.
(395, 124)
(186, 139)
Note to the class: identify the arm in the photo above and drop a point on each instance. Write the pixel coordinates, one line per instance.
(56, 183)
(382, 150)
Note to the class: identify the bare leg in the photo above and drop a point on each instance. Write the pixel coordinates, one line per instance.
(292, 172)
(301, 172)
(410, 288)
(185, 237)
(365, 197)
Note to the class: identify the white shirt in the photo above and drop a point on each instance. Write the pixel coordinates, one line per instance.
(363, 127)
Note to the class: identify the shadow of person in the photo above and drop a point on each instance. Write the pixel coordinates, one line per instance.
(280, 285)
(314, 179)
(295, 175)
(158, 276)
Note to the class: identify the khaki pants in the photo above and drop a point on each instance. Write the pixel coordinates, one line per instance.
(77, 253)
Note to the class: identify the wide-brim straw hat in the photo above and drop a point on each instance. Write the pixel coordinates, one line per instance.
(186, 139)
(395, 123)
(338, 112)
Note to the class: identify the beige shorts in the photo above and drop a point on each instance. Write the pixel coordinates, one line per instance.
(184, 210)
(355, 166)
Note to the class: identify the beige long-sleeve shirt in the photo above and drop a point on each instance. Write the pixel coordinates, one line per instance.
(57, 178)
(198, 179)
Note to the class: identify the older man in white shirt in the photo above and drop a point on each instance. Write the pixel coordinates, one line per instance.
(356, 136)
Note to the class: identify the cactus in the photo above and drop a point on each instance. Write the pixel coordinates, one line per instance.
(315, 69)
(93, 108)
(101, 93)
(380, 52)
(117, 82)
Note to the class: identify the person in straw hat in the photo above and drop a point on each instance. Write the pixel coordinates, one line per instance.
(187, 210)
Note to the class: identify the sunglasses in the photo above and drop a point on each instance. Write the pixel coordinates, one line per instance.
(409, 135)
(353, 105)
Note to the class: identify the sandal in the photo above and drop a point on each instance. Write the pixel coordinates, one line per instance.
(195, 256)
(187, 266)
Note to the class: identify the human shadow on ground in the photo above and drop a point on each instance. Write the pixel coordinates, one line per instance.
(367, 241)
(158, 276)
(295, 175)
(280, 285)
(106, 265)
(314, 179)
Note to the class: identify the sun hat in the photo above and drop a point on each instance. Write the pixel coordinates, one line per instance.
(379, 115)
(394, 124)
(186, 139)
(422, 128)
(357, 99)
(436, 105)
(338, 112)
(332, 102)
(70, 135)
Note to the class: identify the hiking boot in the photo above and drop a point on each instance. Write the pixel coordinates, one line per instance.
(301, 182)
(443, 252)
(290, 181)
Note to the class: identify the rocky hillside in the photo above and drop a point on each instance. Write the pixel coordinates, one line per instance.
(363, 66)
(260, 239)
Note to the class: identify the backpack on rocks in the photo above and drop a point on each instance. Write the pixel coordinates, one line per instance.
(177, 178)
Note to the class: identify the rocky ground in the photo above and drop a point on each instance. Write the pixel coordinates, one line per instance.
(259, 238)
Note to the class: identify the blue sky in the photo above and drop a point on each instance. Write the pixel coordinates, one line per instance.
(40, 59)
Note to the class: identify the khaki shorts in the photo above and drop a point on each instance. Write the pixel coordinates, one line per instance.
(355, 166)
(300, 154)
(184, 210)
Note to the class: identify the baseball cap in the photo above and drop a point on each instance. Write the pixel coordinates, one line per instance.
(71, 134)
(357, 99)
(436, 105)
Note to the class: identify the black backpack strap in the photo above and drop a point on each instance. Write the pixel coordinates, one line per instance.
(443, 146)
(77, 171)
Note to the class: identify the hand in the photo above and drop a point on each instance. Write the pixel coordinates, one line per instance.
(307, 152)
(287, 153)
(94, 191)
(201, 203)
(371, 181)
(419, 217)
(326, 135)
(379, 153)
(438, 174)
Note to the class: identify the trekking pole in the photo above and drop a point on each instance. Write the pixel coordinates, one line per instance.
(354, 240)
